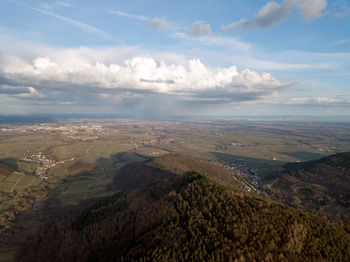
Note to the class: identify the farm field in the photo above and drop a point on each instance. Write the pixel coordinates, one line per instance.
(93, 151)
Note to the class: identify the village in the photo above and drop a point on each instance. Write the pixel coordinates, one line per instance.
(247, 171)
(42, 170)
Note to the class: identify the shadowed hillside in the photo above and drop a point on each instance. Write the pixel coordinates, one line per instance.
(320, 186)
(136, 175)
(183, 215)
(80, 167)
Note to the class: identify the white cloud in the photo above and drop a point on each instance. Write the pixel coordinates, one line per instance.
(273, 13)
(127, 15)
(315, 101)
(160, 24)
(199, 28)
(139, 75)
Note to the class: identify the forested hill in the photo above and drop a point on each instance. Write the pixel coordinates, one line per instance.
(186, 216)
(321, 186)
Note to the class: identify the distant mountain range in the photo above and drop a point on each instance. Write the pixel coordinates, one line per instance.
(175, 208)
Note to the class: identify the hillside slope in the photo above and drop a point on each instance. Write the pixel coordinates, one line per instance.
(80, 167)
(182, 216)
(321, 186)
(170, 165)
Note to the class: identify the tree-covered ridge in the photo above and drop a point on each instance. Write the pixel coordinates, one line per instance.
(320, 186)
(188, 217)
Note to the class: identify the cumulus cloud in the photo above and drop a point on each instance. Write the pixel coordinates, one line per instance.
(199, 28)
(139, 76)
(160, 24)
(273, 13)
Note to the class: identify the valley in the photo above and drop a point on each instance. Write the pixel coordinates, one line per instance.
(50, 168)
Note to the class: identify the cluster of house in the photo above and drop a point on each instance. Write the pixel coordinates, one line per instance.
(42, 170)
(242, 169)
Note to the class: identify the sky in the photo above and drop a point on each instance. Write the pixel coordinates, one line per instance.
(214, 58)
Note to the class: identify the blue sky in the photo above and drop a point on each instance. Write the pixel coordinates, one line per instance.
(289, 57)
